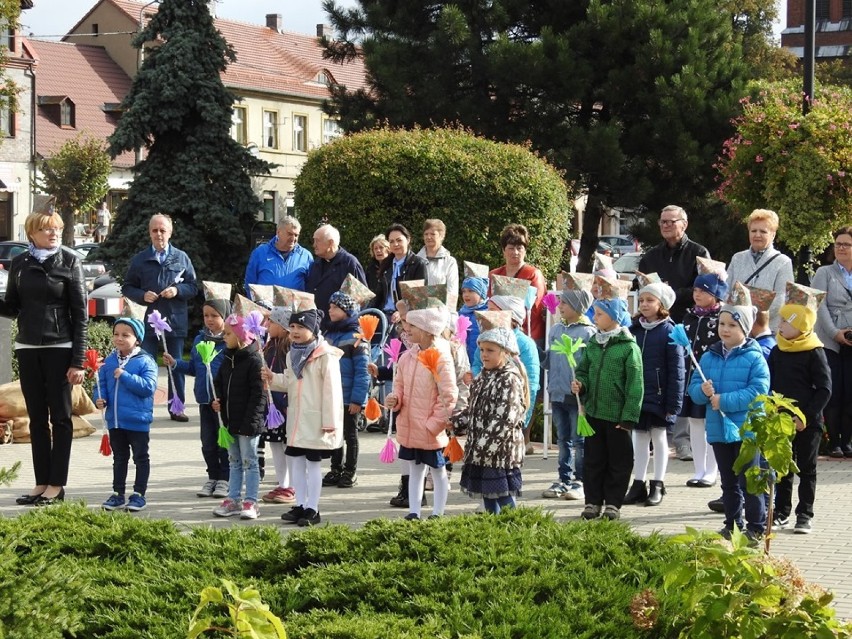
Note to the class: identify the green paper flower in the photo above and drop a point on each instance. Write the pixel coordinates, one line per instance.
(568, 347)
(207, 351)
(225, 438)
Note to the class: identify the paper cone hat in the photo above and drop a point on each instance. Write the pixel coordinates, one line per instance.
(292, 299)
(356, 290)
(804, 295)
(509, 286)
(243, 306)
(421, 297)
(645, 279)
(602, 262)
(472, 269)
(577, 281)
(216, 290)
(134, 310)
(493, 319)
(738, 295)
(609, 289)
(761, 297)
(409, 284)
(706, 265)
(262, 292)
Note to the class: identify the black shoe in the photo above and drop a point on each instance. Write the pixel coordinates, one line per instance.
(310, 517)
(412, 517)
(637, 494)
(716, 505)
(347, 479)
(401, 499)
(836, 452)
(41, 500)
(655, 495)
(803, 525)
(754, 538)
(293, 515)
(332, 478)
(178, 417)
(847, 451)
(27, 500)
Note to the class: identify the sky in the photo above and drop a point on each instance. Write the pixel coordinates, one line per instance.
(56, 17)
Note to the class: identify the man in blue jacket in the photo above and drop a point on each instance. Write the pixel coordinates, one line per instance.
(280, 261)
(162, 278)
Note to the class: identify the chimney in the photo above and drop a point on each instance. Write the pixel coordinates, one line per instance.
(273, 21)
(324, 31)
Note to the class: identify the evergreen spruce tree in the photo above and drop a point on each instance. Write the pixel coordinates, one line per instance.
(179, 112)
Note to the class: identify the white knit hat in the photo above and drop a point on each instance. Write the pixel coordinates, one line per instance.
(503, 337)
(432, 320)
(662, 292)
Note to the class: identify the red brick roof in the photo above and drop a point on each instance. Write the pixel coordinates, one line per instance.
(89, 77)
(286, 63)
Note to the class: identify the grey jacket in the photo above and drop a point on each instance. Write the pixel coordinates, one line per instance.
(835, 312)
(443, 269)
(772, 278)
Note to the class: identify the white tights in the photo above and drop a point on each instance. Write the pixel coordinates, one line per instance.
(642, 452)
(279, 460)
(415, 488)
(307, 481)
(702, 452)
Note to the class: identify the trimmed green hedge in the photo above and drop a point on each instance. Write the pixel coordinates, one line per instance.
(363, 182)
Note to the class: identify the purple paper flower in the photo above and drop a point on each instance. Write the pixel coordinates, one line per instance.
(254, 324)
(158, 323)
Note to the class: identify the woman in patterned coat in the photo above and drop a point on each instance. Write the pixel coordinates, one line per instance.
(494, 420)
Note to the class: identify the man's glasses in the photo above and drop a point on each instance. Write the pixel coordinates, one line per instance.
(670, 222)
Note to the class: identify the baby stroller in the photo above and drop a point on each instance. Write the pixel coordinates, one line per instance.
(378, 389)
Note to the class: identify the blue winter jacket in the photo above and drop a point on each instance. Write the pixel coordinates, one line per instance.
(529, 358)
(326, 276)
(197, 368)
(473, 331)
(353, 364)
(145, 273)
(664, 370)
(131, 396)
(738, 379)
(559, 373)
(268, 266)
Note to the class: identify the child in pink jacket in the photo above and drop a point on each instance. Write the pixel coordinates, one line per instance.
(425, 394)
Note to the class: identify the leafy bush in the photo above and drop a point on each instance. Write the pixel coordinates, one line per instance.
(363, 182)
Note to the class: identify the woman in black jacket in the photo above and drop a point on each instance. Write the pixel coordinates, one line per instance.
(379, 250)
(46, 292)
(401, 265)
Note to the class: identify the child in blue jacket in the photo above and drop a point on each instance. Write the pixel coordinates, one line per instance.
(474, 292)
(126, 384)
(736, 374)
(343, 324)
(215, 457)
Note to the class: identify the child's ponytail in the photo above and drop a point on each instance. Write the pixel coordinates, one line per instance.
(523, 371)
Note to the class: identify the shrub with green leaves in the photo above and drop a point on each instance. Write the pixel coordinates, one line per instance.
(362, 183)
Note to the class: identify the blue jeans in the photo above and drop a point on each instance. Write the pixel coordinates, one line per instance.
(151, 345)
(571, 446)
(242, 455)
(494, 505)
(734, 493)
(122, 443)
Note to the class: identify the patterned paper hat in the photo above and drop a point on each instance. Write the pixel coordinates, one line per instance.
(510, 286)
(472, 269)
(262, 293)
(602, 262)
(738, 295)
(761, 298)
(243, 306)
(609, 289)
(356, 290)
(132, 309)
(417, 297)
(645, 279)
(804, 295)
(706, 265)
(216, 290)
(293, 299)
(405, 286)
(577, 281)
(488, 320)
(740, 307)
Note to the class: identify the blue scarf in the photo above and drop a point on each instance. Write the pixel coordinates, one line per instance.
(42, 254)
(299, 354)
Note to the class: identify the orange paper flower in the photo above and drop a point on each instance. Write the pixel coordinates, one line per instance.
(454, 451)
(368, 325)
(429, 358)
(373, 410)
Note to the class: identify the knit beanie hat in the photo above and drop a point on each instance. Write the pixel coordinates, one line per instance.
(222, 307)
(136, 325)
(577, 299)
(513, 304)
(662, 292)
(802, 318)
(345, 303)
(712, 283)
(616, 308)
(281, 316)
(432, 320)
(743, 315)
(503, 337)
(477, 285)
(310, 318)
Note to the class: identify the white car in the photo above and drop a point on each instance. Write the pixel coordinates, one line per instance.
(106, 301)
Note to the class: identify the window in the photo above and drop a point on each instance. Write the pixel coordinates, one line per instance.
(7, 121)
(847, 8)
(269, 206)
(95, 29)
(300, 133)
(322, 78)
(822, 9)
(330, 130)
(7, 37)
(270, 129)
(66, 114)
(238, 125)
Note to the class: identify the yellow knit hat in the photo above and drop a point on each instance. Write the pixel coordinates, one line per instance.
(802, 318)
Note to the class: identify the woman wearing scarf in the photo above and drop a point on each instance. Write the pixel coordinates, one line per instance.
(47, 294)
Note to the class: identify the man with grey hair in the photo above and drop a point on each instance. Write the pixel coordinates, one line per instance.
(281, 261)
(673, 260)
(331, 266)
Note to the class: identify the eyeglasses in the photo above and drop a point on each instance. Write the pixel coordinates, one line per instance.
(842, 245)
(50, 230)
(670, 222)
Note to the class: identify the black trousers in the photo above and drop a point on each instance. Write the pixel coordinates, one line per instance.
(608, 464)
(805, 452)
(350, 444)
(215, 457)
(838, 413)
(124, 443)
(47, 394)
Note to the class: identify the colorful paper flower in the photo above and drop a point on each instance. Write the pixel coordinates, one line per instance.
(373, 410)
(92, 362)
(393, 350)
(568, 347)
(463, 324)
(388, 452)
(454, 451)
(430, 358)
(551, 302)
(159, 323)
(368, 325)
(254, 324)
(206, 351)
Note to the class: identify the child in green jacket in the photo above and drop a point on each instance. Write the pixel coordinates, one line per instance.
(609, 380)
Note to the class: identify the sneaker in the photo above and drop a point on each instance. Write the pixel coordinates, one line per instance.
(136, 503)
(591, 511)
(347, 480)
(430, 483)
(612, 512)
(280, 495)
(684, 453)
(575, 492)
(221, 489)
(310, 517)
(114, 502)
(250, 510)
(332, 478)
(754, 538)
(207, 489)
(726, 533)
(716, 505)
(847, 451)
(780, 522)
(293, 515)
(179, 417)
(803, 525)
(228, 508)
(434, 517)
(556, 490)
(412, 517)
(836, 452)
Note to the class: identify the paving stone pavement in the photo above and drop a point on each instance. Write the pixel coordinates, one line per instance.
(177, 471)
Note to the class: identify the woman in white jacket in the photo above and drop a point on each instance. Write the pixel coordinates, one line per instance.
(441, 266)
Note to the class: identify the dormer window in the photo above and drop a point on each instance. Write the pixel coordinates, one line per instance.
(66, 114)
(61, 109)
(322, 78)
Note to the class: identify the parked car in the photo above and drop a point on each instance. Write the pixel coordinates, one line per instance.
(106, 301)
(627, 265)
(9, 250)
(621, 244)
(92, 268)
(86, 248)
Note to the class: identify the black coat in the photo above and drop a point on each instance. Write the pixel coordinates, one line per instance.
(49, 300)
(413, 268)
(677, 268)
(803, 376)
(240, 391)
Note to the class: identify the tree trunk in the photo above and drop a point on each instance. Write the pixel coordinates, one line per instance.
(589, 239)
(68, 231)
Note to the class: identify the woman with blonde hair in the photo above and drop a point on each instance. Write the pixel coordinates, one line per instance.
(379, 250)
